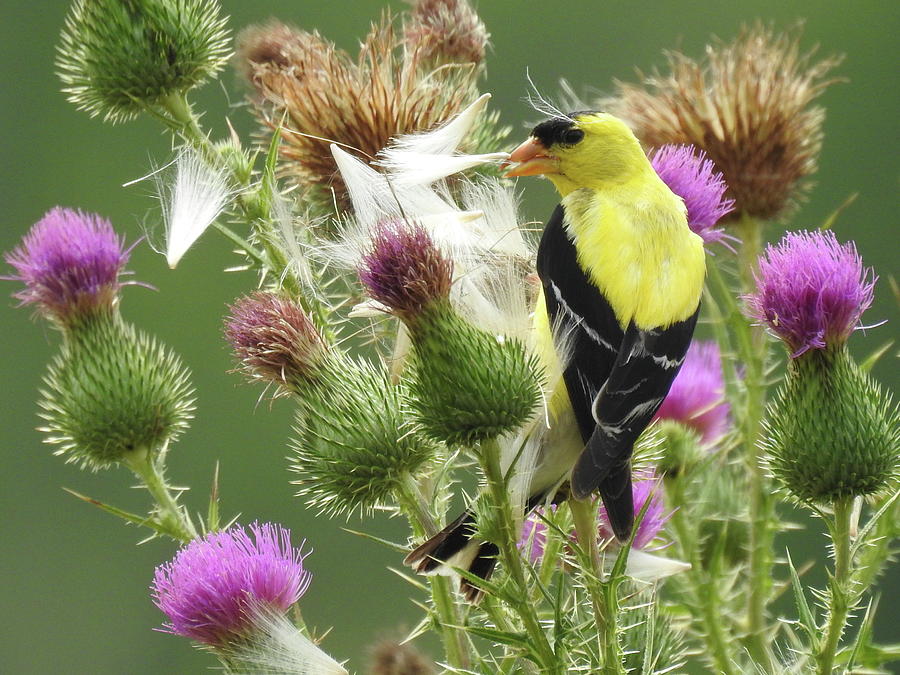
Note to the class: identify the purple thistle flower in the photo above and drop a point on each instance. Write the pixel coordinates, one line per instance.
(811, 290)
(405, 270)
(217, 587)
(653, 520)
(534, 535)
(70, 263)
(534, 532)
(696, 398)
(273, 338)
(691, 176)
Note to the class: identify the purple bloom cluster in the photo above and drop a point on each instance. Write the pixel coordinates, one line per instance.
(697, 397)
(654, 517)
(217, 586)
(534, 532)
(691, 176)
(811, 290)
(534, 535)
(70, 262)
(405, 270)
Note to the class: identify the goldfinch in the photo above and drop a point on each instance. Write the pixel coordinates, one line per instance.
(621, 277)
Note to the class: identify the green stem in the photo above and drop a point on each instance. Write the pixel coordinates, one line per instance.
(170, 515)
(751, 348)
(449, 614)
(702, 586)
(510, 556)
(761, 502)
(839, 588)
(603, 596)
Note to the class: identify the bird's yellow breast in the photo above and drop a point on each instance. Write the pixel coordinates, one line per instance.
(636, 246)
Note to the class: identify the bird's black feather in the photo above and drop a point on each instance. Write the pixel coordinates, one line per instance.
(647, 363)
(577, 310)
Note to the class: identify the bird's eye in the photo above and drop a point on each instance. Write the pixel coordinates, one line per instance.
(572, 136)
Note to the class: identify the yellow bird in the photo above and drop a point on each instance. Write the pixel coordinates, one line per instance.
(621, 277)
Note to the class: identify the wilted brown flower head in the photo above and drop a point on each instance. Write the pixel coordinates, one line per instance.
(747, 105)
(391, 657)
(446, 31)
(393, 87)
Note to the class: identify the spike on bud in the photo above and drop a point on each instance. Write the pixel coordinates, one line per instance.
(274, 339)
(832, 433)
(70, 262)
(468, 385)
(811, 290)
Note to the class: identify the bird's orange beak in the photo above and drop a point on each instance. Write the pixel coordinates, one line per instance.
(530, 159)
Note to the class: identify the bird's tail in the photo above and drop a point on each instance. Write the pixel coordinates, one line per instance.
(455, 546)
(615, 490)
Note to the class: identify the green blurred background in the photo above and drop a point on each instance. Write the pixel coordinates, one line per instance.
(74, 581)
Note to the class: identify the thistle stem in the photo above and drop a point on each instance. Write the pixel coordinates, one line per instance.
(604, 597)
(511, 558)
(839, 596)
(761, 503)
(750, 345)
(170, 515)
(449, 614)
(702, 586)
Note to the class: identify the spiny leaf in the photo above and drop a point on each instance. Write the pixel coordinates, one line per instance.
(805, 613)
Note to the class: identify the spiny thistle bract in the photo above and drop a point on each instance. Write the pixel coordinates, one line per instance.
(354, 441)
(117, 58)
(113, 392)
(468, 385)
(832, 432)
(652, 643)
(747, 105)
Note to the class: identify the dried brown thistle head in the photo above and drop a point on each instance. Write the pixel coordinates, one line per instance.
(446, 31)
(391, 657)
(747, 105)
(394, 86)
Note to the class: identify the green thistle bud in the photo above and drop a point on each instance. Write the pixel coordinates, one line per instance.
(832, 433)
(717, 506)
(116, 58)
(681, 449)
(113, 393)
(467, 385)
(354, 444)
(652, 640)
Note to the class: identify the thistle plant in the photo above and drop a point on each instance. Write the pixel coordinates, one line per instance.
(390, 300)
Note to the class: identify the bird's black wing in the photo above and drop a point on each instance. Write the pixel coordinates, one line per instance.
(581, 315)
(639, 381)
